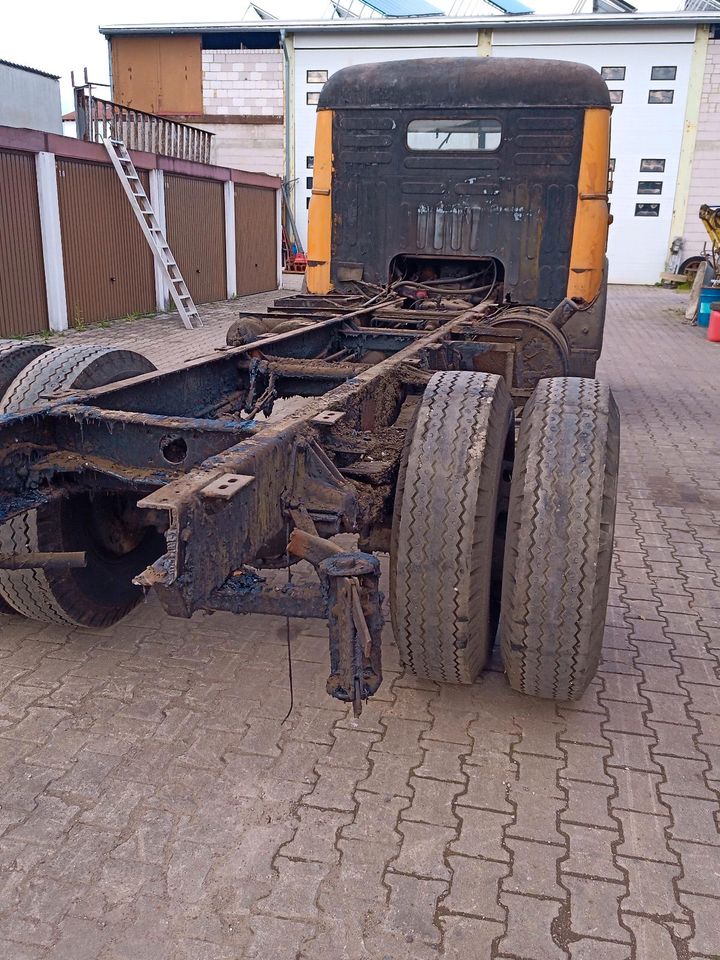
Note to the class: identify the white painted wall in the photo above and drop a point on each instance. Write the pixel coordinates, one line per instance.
(638, 246)
(29, 100)
(705, 176)
(259, 147)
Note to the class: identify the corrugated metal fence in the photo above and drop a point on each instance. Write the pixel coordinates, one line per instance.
(106, 262)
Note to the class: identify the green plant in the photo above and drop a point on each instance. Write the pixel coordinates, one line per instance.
(78, 321)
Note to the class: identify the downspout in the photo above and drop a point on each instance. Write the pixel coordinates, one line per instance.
(286, 98)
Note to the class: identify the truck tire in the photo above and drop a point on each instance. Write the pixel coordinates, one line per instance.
(444, 525)
(72, 366)
(14, 355)
(559, 538)
(102, 592)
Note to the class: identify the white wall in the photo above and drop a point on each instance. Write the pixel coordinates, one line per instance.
(259, 147)
(705, 176)
(638, 246)
(331, 51)
(29, 100)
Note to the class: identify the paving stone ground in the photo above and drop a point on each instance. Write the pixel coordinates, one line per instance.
(153, 804)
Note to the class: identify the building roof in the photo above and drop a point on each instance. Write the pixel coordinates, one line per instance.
(404, 8)
(465, 83)
(19, 66)
(496, 21)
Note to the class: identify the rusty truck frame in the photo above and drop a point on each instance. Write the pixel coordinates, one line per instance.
(382, 403)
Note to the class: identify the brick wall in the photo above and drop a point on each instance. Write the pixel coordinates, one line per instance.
(705, 176)
(243, 82)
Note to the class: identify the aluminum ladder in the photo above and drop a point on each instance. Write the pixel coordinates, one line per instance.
(142, 208)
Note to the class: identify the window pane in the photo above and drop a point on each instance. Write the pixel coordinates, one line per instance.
(650, 186)
(616, 96)
(663, 73)
(446, 134)
(312, 98)
(652, 166)
(613, 73)
(316, 76)
(309, 161)
(308, 182)
(661, 96)
(612, 165)
(647, 209)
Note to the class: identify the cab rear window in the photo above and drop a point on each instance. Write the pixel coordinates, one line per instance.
(480, 133)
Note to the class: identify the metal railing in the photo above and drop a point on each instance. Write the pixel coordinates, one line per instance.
(97, 119)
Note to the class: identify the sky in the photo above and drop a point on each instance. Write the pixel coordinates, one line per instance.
(60, 37)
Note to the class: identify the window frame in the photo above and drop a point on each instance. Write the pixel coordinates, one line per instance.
(661, 103)
(644, 160)
(644, 216)
(668, 66)
(470, 150)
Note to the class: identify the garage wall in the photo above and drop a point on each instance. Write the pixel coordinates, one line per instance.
(23, 306)
(255, 242)
(195, 218)
(72, 251)
(108, 264)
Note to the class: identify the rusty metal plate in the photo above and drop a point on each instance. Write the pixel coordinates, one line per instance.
(226, 486)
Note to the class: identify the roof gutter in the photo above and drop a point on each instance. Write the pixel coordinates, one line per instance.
(384, 24)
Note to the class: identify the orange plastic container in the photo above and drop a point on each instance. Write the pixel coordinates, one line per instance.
(713, 330)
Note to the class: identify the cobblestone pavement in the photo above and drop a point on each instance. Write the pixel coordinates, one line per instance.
(162, 338)
(153, 805)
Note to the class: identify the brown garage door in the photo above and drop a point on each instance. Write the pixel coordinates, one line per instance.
(23, 304)
(195, 218)
(108, 264)
(255, 239)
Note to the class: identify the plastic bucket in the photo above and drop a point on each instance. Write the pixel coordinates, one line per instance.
(713, 331)
(708, 295)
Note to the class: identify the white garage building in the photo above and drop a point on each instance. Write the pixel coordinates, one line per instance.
(663, 71)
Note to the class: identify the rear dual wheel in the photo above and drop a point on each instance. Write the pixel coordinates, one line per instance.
(107, 527)
(449, 526)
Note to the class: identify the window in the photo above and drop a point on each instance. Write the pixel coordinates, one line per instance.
(612, 73)
(312, 98)
(446, 134)
(663, 73)
(650, 186)
(316, 76)
(307, 203)
(611, 166)
(308, 182)
(616, 96)
(661, 96)
(309, 161)
(652, 166)
(647, 209)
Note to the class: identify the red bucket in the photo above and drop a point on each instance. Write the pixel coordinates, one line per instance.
(713, 330)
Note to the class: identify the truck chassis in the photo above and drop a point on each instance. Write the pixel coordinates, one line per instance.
(188, 455)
